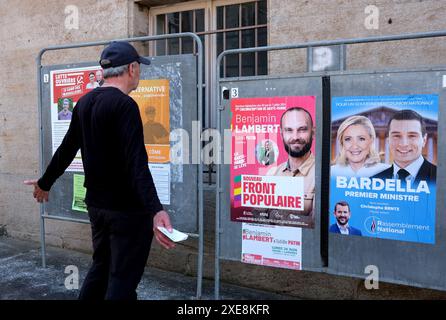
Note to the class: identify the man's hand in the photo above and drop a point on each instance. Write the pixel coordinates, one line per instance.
(39, 194)
(161, 219)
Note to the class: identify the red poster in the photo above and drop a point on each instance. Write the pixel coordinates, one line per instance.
(75, 83)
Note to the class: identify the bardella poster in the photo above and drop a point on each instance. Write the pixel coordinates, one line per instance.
(383, 172)
(273, 164)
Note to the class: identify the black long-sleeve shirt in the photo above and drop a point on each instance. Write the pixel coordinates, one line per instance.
(106, 125)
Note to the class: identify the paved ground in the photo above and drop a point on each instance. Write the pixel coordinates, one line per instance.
(22, 277)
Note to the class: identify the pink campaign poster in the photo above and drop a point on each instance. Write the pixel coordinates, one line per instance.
(273, 166)
(272, 246)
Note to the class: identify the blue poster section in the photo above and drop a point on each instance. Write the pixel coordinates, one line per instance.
(373, 138)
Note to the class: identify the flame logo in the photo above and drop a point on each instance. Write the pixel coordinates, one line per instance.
(373, 226)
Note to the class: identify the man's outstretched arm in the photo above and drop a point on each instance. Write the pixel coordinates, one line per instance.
(59, 162)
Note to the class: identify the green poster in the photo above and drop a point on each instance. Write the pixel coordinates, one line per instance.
(79, 193)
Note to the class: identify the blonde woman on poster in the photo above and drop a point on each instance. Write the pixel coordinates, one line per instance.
(357, 155)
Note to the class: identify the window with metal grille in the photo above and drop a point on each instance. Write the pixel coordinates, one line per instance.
(221, 25)
(242, 26)
(185, 21)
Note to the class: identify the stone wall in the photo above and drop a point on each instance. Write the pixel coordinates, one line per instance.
(27, 27)
(298, 21)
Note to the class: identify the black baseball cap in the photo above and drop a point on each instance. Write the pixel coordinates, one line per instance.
(120, 53)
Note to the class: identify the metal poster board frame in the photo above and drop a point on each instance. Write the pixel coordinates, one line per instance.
(326, 252)
(198, 86)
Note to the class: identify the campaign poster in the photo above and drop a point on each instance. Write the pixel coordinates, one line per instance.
(273, 246)
(152, 97)
(273, 164)
(67, 87)
(384, 165)
(79, 193)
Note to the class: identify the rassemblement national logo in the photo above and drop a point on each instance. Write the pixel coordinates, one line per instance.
(370, 225)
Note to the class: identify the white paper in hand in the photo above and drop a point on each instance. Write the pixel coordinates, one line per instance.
(175, 235)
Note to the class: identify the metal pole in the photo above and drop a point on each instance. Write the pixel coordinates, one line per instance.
(339, 42)
(343, 58)
(42, 238)
(41, 207)
(200, 167)
(106, 42)
(310, 59)
(65, 219)
(218, 189)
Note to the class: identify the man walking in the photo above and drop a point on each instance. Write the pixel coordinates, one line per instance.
(123, 205)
